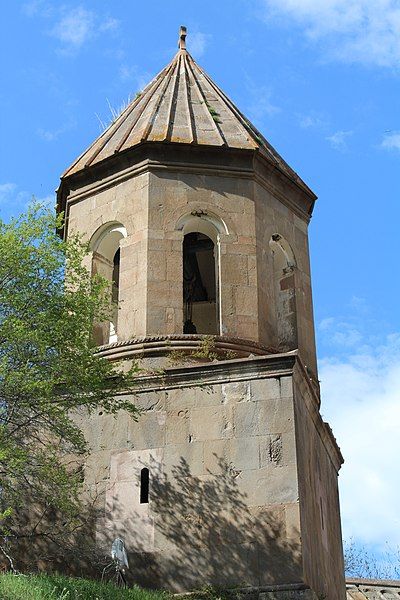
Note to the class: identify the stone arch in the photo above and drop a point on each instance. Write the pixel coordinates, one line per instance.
(201, 274)
(284, 275)
(107, 237)
(106, 256)
(204, 221)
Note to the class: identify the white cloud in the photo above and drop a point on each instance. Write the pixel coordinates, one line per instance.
(197, 43)
(37, 7)
(361, 400)
(338, 139)
(312, 121)
(326, 323)
(109, 24)
(391, 140)
(6, 191)
(72, 27)
(260, 103)
(340, 333)
(14, 200)
(131, 73)
(365, 31)
(347, 337)
(51, 135)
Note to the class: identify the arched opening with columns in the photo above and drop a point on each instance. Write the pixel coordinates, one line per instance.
(201, 272)
(106, 259)
(284, 267)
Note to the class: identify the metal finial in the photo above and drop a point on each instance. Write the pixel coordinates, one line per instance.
(182, 38)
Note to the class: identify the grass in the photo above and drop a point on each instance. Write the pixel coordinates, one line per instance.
(57, 587)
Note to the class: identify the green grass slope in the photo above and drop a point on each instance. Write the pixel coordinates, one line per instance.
(56, 587)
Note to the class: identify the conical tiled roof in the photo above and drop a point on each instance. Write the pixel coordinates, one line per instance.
(181, 105)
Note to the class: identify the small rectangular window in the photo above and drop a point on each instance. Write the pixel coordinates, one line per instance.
(144, 486)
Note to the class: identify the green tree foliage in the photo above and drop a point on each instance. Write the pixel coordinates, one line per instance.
(49, 372)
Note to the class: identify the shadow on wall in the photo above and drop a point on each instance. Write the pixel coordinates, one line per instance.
(38, 540)
(195, 530)
(198, 530)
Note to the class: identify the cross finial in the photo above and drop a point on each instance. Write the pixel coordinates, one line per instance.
(182, 38)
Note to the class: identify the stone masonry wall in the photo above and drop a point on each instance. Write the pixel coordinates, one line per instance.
(125, 203)
(150, 207)
(223, 483)
(273, 217)
(319, 497)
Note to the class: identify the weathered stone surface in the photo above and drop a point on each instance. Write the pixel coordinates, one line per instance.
(242, 470)
(226, 474)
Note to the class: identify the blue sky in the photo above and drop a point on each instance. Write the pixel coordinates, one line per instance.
(321, 79)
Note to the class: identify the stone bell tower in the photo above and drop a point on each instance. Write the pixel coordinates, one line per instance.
(229, 476)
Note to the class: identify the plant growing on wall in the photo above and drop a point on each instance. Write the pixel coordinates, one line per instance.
(49, 376)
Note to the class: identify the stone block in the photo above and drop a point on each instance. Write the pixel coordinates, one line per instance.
(190, 454)
(156, 266)
(238, 454)
(265, 389)
(269, 486)
(277, 449)
(262, 418)
(234, 269)
(150, 401)
(246, 300)
(286, 387)
(246, 419)
(271, 452)
(107, 431)
(243, 453)
(207, 423)
(288, 595)
(216, 455)
(292, 517)
(177, 427)
(97, 467)
(194, 397)
(148, 431)
(126, 465)
(236, 391)
(175, 267)
(247, 327)
(252, 270)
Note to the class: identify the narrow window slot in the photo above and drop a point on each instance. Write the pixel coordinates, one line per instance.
(144, 486)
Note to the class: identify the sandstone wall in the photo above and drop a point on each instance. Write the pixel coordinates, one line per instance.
(223, 482)
(274, 217)
(152, 208)
(318, 461)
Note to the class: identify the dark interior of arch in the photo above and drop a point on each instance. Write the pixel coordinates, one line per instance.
(199, 284)
(115, 275)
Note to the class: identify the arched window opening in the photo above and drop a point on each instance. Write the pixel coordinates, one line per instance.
(115, 296)
(285, 293)
(199, 284)
(144, 485)
(106, 262)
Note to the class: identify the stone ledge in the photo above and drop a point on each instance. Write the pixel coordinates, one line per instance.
(294, 591)
(216, 372)
(162, 345)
